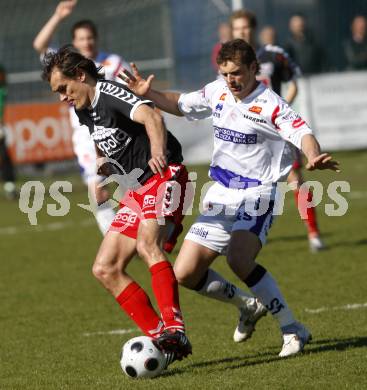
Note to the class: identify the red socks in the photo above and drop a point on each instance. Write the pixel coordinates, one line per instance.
(136, 303)
(165, 288)
(303, 198)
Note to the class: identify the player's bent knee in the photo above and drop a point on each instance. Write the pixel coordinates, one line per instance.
(104, 271)
(187, 277)
(147, 249)
(183, 278)
(241, 266)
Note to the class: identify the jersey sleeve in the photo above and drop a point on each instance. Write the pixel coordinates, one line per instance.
(289, 125)
(125, 102)
(195, 105)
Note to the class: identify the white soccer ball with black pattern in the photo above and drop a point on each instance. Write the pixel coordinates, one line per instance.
(141, 358)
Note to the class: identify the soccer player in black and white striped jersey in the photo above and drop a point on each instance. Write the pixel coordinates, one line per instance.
(127, 131)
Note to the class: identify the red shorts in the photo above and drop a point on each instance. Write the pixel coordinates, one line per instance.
(159, 198)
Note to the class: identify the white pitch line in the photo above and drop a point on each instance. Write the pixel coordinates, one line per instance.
(357, 195)
(349, 306)
(10, 230)
(111, 332)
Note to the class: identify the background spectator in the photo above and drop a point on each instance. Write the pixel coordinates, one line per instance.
(268, 36)
(355, 48)
(302, 47)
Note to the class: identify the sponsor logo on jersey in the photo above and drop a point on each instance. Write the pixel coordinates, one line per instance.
(290, 116)
(255, 109)
(260, 100)
(201, 232)
(223, 96)
(149, 200)
(126, 215)
(253, 119)
(234, 136)
(218, 109)
(110, 141)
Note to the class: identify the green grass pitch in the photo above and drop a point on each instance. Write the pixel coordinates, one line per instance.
(52, 309)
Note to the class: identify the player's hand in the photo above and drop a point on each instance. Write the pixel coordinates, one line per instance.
(323, 161)
(158, 163)
(135, 82)
(65, 8)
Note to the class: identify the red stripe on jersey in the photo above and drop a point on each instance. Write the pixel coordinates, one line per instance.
(274, 116)
(298, 123)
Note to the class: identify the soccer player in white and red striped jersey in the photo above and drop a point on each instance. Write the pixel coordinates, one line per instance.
(252, 126)
(85, 39)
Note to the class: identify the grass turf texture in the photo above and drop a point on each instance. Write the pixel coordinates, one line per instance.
(49, 300)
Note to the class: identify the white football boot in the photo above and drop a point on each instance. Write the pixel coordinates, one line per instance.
(250, 313)
(295, 337)
(316, 244)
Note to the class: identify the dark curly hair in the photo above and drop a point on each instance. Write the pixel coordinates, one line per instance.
(239, 52)
(69, 61)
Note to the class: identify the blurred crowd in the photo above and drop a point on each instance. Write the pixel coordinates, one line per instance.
(304, 48)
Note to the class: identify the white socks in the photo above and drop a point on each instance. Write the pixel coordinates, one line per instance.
(267, 290)
(217, 287)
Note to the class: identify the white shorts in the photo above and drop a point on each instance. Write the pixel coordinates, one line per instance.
(227, 209)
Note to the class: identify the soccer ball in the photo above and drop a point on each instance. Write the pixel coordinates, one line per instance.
(141, 358)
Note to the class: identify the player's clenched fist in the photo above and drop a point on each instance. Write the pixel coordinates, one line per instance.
(65, 8)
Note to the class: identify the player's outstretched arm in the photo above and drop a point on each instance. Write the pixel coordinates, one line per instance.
(157, 134)
(291, 91)
(166, 101)
(316, 159)
(43, 38)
